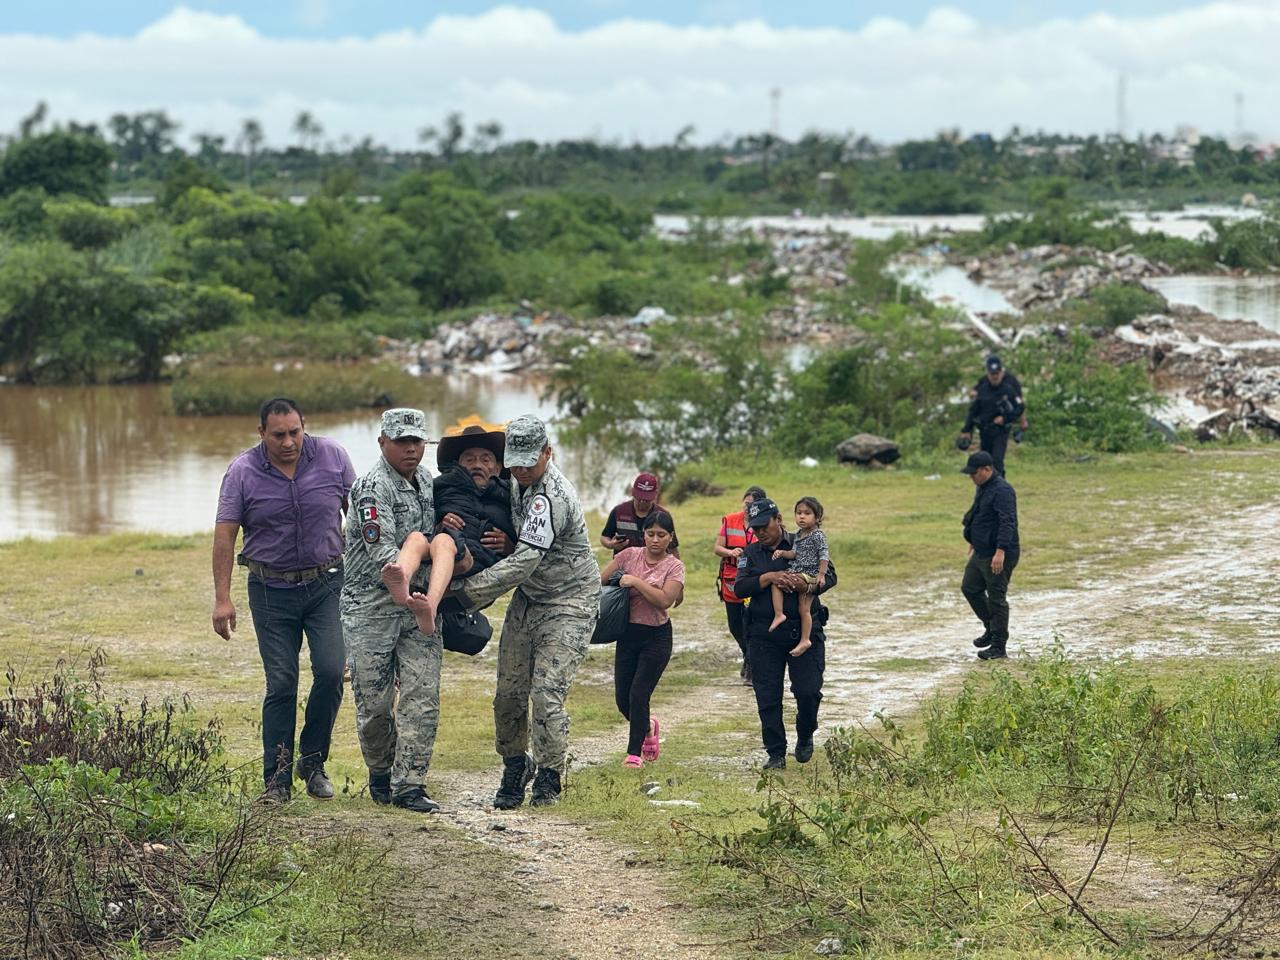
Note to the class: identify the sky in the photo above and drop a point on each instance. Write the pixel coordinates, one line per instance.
(623, 70)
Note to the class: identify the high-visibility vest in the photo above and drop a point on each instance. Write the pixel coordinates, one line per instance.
(736, 534)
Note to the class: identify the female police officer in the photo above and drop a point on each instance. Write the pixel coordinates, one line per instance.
(770, 650)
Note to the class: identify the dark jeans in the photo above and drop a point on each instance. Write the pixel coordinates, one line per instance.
(737, 616)
(770, 661)
(642, 654)
(986, 593)
(995, 440)
(280, 617)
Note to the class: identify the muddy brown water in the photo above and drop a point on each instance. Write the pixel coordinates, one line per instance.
(87, 460)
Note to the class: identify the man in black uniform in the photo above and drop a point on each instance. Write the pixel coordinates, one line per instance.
(769, 651)
(997, 406)
(991, 527)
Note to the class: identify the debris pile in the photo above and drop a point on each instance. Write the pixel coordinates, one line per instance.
(1047, 277)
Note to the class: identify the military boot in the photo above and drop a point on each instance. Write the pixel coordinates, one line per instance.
(984, 640)
(380, 788)
(415, 799)
(993, 652)
(546, 787)
(517, 773)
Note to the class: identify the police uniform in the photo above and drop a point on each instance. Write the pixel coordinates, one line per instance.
(770, 650)
(384, 639)
(553, 611)
(991, 401)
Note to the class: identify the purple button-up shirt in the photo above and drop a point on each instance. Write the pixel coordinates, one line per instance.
(289, 524)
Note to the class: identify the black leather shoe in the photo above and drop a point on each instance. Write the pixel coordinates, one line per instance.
(546, 788)
(275, 794)
(983, 641)
(516, 774)
(319, 786)
(415, 799)
(380, 788)
(775, 763)
(804, 751)
(993, 652)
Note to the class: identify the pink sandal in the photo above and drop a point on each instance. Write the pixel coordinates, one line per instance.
(633, 762)
(650, 747)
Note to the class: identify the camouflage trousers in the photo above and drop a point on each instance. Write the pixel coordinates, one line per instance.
(538, 655)
(395, 738)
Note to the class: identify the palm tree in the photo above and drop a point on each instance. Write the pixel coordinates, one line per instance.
(251, 137)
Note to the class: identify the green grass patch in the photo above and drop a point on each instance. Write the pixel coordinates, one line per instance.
(316, 387)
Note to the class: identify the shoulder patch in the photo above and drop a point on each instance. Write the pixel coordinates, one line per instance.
(368, 511)
(538, 530)
(742, 563)
(371, 532)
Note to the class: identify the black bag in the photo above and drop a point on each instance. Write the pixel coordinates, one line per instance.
(615, 611)
(463, 632)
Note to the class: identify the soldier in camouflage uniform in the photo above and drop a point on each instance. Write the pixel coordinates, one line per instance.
(387, 504)
(549, 623)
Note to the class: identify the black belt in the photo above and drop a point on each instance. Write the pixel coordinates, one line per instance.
(290, 576)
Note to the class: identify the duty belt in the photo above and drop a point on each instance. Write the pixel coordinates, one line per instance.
(289, 576)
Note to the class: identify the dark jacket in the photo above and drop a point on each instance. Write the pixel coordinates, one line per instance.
(992, 522)
(757, 560)
(990, 402)
(455, 491)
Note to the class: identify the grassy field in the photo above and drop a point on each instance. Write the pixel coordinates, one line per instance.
(895, 536)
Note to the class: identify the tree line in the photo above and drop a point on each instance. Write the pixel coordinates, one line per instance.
(948, 173)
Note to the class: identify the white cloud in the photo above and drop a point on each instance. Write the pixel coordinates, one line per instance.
(314, 14)
(634, 78)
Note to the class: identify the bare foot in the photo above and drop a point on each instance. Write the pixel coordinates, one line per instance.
(397, 583)
(778, 620)
(801, 647)
(424, 612)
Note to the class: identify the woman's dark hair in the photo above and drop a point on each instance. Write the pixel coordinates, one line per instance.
(277, 405)
(755, 493)
(663, 520)
(814, 507)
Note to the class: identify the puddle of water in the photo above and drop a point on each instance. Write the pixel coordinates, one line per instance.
(950, 285)
(1229, 298)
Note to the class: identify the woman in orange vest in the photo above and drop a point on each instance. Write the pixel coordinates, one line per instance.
(735, 536)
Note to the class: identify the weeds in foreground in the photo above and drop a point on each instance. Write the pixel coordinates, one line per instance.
(994, 828)
(122, 831)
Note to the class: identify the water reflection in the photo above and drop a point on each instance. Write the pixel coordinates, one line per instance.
(83, 460)
(1229, 298)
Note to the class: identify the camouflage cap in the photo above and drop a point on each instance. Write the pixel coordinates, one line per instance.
(526, 438)
(404, 422)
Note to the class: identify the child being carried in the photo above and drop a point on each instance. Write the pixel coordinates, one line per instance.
(809, 557)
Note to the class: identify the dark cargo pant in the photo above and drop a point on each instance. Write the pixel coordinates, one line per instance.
(771, 661)
(995, 441)
(986, 593)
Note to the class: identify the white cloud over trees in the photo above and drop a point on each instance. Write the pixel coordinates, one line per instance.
(644, 79)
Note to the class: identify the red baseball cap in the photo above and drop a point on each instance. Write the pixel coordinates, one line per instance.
(645, 487)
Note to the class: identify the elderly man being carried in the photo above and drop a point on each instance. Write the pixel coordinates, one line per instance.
(472, 505)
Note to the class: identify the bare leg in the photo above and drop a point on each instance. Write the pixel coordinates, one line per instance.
(398, 575)
(424, 606)
(806, 625)
(779, 618)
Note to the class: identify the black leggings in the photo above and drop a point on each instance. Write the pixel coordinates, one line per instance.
(642, 654)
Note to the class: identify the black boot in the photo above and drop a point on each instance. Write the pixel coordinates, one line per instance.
(804, 750)
(993, 652)
(319, 786)
(546, 787)
(516, 774)
(984, 640)
(380, 788)
(415, 799)
(775, 763)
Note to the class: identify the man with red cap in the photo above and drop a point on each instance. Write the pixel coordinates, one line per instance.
(622, 529)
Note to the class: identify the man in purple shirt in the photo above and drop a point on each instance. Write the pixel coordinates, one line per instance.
(288, 494)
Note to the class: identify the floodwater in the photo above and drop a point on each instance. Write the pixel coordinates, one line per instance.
(949, 285)
(86, 460)
(1188, 223)
(1228, 298)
